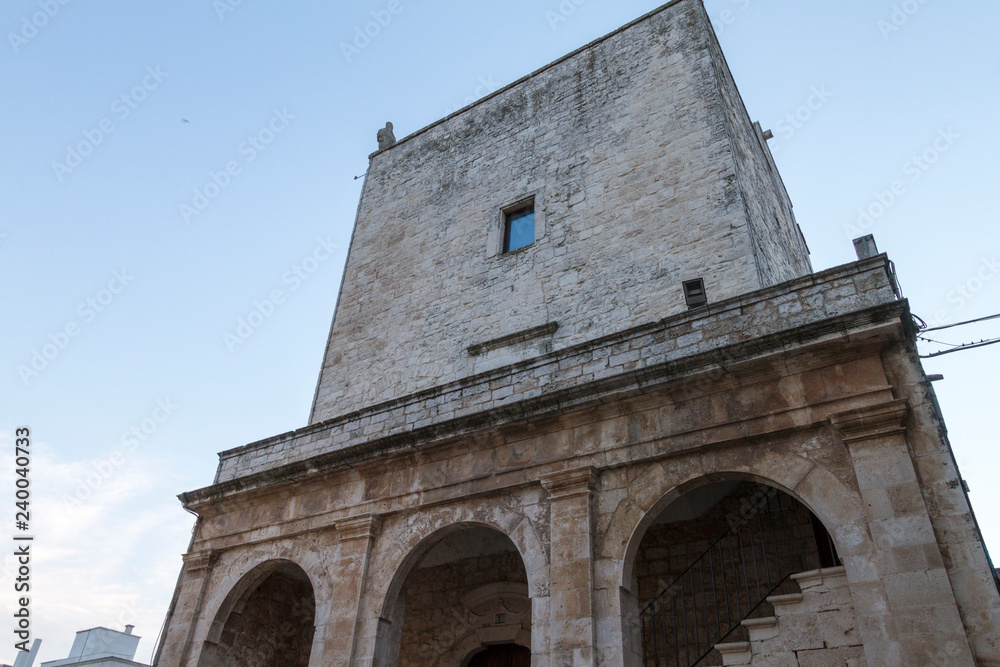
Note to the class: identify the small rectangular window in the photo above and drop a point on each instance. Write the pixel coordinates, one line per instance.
(519, 227)
(694, 293)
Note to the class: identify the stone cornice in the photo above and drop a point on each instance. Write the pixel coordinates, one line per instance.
(873, 421)
(454, 411)
(682, 370)
(668, 325)
(361, 527)
(201, 560)
(570, 483)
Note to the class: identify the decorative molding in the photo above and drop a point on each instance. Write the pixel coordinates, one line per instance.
(874, 421)
(510, 339)
(570, 483)
(361, 527)
(201, 560)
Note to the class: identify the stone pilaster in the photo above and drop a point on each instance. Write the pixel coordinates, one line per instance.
(355, 536)
(571, 607)
(180, 632)
(922, 617)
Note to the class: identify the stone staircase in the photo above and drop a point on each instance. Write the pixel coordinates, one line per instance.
(815, 627)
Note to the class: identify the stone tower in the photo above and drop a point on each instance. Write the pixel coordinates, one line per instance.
(584, 402)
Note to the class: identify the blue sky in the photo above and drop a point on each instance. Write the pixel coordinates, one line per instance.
(132, 243)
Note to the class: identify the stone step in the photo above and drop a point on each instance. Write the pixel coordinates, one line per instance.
(832, 577)
(735, 653)
(785, 604)
(761, 628)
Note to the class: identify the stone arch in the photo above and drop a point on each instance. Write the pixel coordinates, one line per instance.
(277, 578)
(837, 506)
(523, 535)
(836, 503)
(396, 560)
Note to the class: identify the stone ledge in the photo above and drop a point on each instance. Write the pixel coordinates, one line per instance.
(555, 382)
(687, 321)
(511, 339)
(680, 378)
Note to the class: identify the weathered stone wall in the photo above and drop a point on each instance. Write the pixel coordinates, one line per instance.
(710, 335)
(779, 248)
(625, 147)
(436, 621)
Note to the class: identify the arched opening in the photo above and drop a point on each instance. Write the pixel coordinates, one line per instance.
(267, 621)
(502, 655)
(710, 560)
(465, 592)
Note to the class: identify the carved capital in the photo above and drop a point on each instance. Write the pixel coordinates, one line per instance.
(873, 421)
(201, 560)
(360, 527)
(570, 483)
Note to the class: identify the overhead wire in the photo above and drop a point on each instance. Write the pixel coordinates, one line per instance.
(963, 346)
(955, 347)
(958, 324)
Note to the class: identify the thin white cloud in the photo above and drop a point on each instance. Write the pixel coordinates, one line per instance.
(110, 557)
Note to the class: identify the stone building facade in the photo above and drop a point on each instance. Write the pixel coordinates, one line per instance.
(650, 436)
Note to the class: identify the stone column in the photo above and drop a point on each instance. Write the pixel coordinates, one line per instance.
(179, 637)
(571, 605)
(922, 614)
(337, 643)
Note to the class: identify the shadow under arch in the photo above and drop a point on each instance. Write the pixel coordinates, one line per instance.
(268, 615)
(523, 541)
(690, 537)
(826, 497)
(527, 543)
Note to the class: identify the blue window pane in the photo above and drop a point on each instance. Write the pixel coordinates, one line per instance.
(520, 229)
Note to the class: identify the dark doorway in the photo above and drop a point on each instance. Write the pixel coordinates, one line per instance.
(503, 655)
(271, 626)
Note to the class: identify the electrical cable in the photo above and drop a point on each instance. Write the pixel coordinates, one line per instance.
(958, 324)
(959, 348)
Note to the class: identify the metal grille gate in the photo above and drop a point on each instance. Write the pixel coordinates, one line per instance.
(703, 605)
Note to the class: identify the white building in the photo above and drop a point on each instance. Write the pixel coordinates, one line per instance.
(102, 647)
